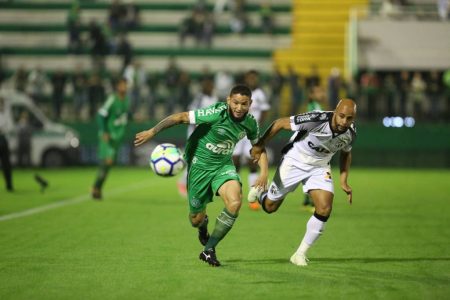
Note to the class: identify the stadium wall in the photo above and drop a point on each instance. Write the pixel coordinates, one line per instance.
(424, 145)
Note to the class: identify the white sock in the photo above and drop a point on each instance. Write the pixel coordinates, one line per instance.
(252, 178)
(314, 229)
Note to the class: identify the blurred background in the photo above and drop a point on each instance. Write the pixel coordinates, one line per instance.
(58, 59)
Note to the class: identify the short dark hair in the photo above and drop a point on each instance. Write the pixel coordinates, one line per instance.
(241, 89)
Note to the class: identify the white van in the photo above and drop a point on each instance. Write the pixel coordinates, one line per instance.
(52, 144)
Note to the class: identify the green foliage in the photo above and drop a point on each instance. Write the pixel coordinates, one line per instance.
(392, 243)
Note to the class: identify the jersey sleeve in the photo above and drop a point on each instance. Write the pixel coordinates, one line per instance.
(208, 115)
(253, 132)
(307, 121)
(348, 148)
(103, 114)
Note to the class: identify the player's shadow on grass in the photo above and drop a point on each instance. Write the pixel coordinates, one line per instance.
(379, 259)
(341, 260)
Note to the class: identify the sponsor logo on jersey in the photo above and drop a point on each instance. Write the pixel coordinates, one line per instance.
(322, 117)
(194, 160)
(305, 118)
(210, 111)
(122, 120)
(224, 148)
(317, 148)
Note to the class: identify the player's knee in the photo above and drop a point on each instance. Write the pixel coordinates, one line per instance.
(270, 206)
(196, 220)
(324, 209)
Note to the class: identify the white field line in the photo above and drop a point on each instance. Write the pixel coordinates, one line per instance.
(71, 201)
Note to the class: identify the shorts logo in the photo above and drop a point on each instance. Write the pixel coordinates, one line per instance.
(328, 176)
(274, 189)
(195, 202)
(242, 135)
(229, 173)
(224, 148)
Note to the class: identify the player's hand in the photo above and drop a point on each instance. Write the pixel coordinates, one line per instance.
(143, 137)
(256, 152)
(348, 190)
(261, 182)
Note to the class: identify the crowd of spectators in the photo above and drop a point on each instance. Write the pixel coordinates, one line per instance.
(424, 95)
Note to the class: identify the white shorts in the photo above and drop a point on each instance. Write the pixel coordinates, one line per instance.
(290, 173)
(243, 148)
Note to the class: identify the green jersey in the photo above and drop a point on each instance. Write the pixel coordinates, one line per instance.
(211, 144)
(113, 117)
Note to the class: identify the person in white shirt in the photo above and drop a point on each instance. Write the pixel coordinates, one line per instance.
(4, 146)
(306, 160)
(259, 109)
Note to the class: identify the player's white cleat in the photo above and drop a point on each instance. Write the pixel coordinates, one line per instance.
(299, 259)
(254, 194)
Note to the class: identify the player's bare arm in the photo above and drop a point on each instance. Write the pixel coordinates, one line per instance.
(274, 128)
(175, 119)
(263, 164)
(344, 164)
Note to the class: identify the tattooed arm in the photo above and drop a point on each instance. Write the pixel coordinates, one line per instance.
(175, 119)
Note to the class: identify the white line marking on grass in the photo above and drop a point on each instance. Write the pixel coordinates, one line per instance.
(70, 201)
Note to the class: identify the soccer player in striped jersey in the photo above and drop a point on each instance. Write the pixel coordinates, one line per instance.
(306, 160)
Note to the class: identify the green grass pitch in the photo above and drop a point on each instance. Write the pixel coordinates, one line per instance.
(392, 243)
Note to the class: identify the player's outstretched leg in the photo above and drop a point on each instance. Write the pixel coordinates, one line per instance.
(103, 171)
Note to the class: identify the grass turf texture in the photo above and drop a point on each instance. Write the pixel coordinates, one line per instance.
(392, 243)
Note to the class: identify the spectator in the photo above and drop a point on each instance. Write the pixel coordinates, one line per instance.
(390, 94)
(74, 26)
(79, 88)
(37, 81)
(96, 92)
(276, 86)
(266, 17)
(24, 134)
(137, 81)
(171, 79)
(446, 81)
(20, 79)
(434, 93)
(59, 84)
(404, 88)
(369, 90)
(223, 81)
(296, 90)
(418, 98)
(5, 158)
(314, 78)
(334, 87)
(99, 46)
(131, 17)
(125, 49)
(184, 95)
(116, 15)
(239, 20)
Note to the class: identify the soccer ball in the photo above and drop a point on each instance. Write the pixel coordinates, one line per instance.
(167, 160)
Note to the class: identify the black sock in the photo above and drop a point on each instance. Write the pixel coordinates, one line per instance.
(101, 175)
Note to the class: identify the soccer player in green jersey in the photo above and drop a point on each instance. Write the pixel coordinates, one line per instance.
(211, 170)
(112, 120)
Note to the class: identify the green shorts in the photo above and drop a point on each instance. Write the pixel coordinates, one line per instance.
(203, 184)
(108, 150)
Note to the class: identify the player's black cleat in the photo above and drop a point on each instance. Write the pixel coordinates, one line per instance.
(203, 235)
(41, 181)
(96, 194)
(209, 256)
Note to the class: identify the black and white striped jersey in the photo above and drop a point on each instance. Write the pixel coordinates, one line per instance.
(314, 142)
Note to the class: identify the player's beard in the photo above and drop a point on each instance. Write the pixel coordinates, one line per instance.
(230, 112)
